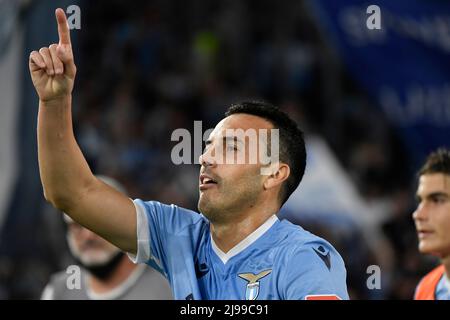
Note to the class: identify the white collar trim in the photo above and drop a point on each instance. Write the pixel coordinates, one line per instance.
(241, 246)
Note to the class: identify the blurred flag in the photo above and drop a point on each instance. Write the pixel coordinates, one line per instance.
(404, 66)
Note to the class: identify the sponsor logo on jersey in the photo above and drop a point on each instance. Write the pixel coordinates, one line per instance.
(324, 255)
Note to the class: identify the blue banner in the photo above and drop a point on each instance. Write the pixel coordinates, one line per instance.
(404, 66)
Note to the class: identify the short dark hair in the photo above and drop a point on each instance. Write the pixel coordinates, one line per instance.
(437, 162)
(291, 140)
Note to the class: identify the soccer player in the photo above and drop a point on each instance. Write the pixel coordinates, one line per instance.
(432, 219)
(236, 248)
(106, 273)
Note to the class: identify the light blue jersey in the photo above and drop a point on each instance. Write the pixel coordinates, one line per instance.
(279, 260)
(443, 289)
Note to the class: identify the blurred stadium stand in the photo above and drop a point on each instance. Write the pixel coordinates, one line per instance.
(371, 102)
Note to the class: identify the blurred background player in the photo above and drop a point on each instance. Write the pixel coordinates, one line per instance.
(106, 272)
(432, 218)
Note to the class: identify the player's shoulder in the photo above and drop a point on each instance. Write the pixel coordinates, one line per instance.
(300, 239)
(310, 266)
(310, 249)
(426, 288)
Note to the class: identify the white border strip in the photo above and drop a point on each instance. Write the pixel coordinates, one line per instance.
(143, 236)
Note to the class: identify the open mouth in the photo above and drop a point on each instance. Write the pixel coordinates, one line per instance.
(206, 182)
(424, 233)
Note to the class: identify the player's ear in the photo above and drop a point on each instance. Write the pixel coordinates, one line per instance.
(278, 173)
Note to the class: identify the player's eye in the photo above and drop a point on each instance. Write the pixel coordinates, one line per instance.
(438, 200)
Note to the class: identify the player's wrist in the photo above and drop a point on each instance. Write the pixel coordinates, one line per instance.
(55, 101)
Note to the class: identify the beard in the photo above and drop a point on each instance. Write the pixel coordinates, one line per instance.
(218, 204)
(103, 270)
(101, 265)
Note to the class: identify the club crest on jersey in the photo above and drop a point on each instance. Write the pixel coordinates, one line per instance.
(252, 290)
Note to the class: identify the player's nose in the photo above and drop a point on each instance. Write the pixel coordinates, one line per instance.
(421, 213)
(207, 158)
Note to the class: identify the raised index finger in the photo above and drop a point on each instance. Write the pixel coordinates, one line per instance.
(63, 27)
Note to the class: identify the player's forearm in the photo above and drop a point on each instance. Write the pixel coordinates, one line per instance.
(64, 171)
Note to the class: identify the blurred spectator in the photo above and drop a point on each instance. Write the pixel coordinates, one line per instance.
(105, 272)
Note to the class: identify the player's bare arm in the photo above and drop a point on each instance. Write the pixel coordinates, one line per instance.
(66, 177)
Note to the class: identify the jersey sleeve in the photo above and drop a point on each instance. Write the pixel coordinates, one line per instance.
(165, 233)
(314, 271)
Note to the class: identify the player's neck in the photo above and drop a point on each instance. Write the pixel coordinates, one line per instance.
(227, 235)
(117, 277)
